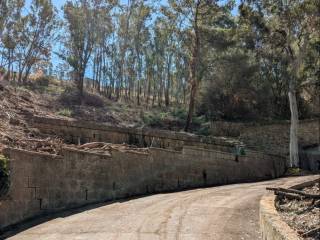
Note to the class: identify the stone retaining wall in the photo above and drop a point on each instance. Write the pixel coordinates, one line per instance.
(272, 137)
(269, 138)
(74, 131)
(42, 183)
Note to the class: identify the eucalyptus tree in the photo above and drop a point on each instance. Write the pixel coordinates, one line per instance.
(286, 28)
(139, 34)
(35, 42)
(83, 25)
(199, 18)
(123, 37)
(11, 27)
(80, 39)
(3, 15)
(103, 27)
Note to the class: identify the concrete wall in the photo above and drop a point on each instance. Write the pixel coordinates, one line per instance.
(42, 183)
(74, 131)
(271, 138)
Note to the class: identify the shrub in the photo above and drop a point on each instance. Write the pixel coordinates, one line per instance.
(43, 81)
(204, 130)
(93, 100)
(71, 96)
(180, 114)
(4, 175)
(2, 71)
(152, 120)
(65, 112)
(293, 171)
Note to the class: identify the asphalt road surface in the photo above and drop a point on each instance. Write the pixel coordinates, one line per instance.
(217, 213)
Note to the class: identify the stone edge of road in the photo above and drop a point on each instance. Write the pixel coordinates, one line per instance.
(271, 225)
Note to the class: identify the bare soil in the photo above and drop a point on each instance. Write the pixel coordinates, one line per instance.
(19, 104)
(302, 215)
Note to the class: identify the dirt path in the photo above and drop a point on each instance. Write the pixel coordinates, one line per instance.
(221, 213)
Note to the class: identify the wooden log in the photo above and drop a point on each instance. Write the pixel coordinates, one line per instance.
(290, 196)
(92, 145)
(294, 191)
(311, 232)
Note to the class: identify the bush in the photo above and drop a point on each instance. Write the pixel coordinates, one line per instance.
(65, 112)
(43, 81)
(93, 100)
(4, 175)
(204, 130)
(2, 71)
(293, 171)
(180, 113)
(152, 120)
(71, 96)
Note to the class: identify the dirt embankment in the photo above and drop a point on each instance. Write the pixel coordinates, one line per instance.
(17, 106)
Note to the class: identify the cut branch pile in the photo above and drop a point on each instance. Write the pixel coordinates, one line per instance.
(300, 209)
(293, 194)
(48, 145)
(106, 148)
(311, 233)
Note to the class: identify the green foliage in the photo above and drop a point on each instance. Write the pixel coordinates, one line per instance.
(2, 70)
(43, 81)
(293, 171)
(146, 53)
(65, 112)
(204, 130)
(153, 120)
(180, 113)
(198, 121)
(4, 175)
(166, 120)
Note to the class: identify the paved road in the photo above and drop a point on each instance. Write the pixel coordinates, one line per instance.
(217, 213)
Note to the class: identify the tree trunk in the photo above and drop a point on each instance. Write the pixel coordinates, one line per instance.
(80, 78)
(167, 95)
(193, 68)
(294, 150)
(191, 105)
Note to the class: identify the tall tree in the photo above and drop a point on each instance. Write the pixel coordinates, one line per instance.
(35, 39)
(287, 27)
(198, 18)
(82, 27)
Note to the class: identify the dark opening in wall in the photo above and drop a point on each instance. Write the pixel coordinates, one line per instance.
(40, 203)
(4, 175)
(204, 176)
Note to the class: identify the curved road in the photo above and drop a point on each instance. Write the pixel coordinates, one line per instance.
(221, 213)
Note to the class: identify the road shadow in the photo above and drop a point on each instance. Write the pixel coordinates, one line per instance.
(39, 219)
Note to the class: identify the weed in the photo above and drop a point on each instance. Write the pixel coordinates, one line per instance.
(293, 171)
(65, 112)
(152, 120)
(4, 175)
